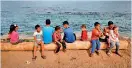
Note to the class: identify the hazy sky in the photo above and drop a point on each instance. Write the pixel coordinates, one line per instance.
(65, 0)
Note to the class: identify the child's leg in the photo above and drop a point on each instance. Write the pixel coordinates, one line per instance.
(64, 38)
(34, 51)
(58, 47)
(111, 46)
(63, 45)
(75, 36)
(117, 46)
(93, 42)
(42, 48)
(98, 45)
(117, 49)
(108, 42)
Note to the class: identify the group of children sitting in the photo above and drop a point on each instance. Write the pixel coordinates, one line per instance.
(48, 34)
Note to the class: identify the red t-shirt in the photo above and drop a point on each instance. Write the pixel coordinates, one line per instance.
(56, 36)
(95, 34)
(84, 35)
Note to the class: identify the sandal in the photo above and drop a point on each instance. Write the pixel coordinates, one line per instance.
(118, 54)
(97, 52)
(91, 54)
(34, 58)
(44, 57)
(64, 50)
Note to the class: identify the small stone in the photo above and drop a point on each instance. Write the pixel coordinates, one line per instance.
(27, 62)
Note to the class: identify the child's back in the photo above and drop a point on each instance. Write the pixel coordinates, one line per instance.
(47, 34)
(84, 35)
(14, 37)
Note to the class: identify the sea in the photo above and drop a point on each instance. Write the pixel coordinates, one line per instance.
(27, 14)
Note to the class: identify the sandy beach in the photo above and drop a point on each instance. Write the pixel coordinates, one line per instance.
(69, 59)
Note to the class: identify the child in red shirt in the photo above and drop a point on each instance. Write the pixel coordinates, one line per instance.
(58, 40)
(96, 33)
(84, 36)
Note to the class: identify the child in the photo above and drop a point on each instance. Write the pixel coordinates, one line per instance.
(114, 40)
(106, 34)
(38, 41)
(84, 36)
(57, 39)
(47, 32)
(69, 35)
(96, 33)
(13, 35)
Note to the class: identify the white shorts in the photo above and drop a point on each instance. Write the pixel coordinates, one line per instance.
(36, 43)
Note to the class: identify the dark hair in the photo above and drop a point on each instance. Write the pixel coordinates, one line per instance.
(57, 28)
(37, 26)
(48, 22)
(65, 22)
(96, 23)
(110, 23)
(12, 28)
(83, 26)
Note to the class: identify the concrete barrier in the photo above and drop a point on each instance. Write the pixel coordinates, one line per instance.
(25, 46)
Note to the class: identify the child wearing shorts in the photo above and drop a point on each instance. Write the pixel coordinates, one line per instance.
(38, 41)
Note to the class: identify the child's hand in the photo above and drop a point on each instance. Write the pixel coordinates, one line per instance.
(59, 43)
(61, 40)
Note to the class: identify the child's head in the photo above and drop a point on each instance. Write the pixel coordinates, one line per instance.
(83, 26)
(115, 28)
(65, 24)
(13, 28)
(97, 25)
(38, 28)
(58, 29)
(16, 27)
(47, 22)
(110, 24)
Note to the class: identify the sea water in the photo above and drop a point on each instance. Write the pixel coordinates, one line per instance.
(26, 14)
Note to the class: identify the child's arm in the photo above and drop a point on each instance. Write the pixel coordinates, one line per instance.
(55, 39)
(99, 33)
(35, 39)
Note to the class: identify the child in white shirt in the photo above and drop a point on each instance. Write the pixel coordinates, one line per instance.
(38, 41)
(114, 35)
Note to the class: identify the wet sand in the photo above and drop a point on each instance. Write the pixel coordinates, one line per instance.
(69, 59)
